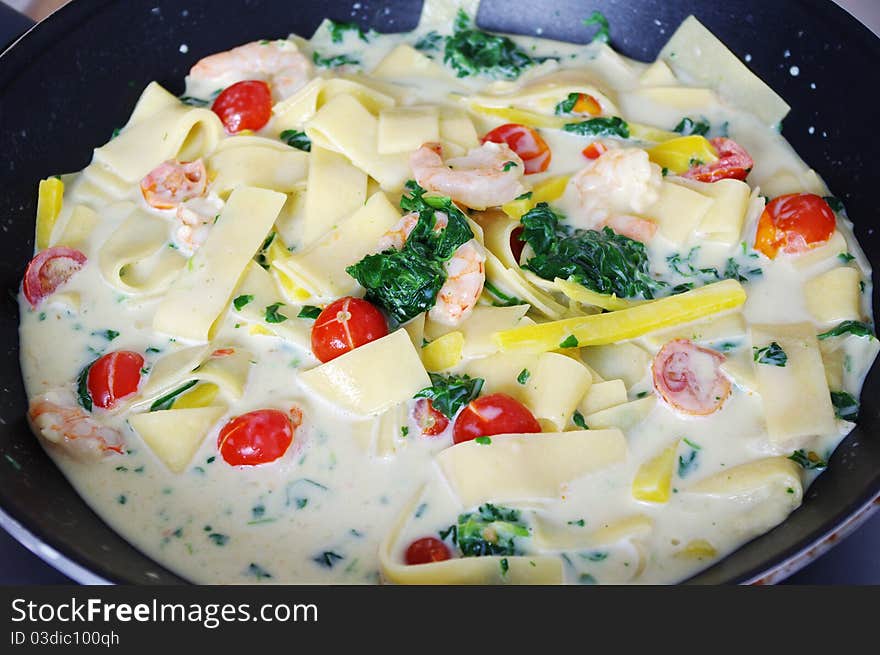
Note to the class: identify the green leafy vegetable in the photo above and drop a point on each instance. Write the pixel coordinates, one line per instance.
(772, 355)
(272, 314)
(808, 460)
(856, 328)
(604, 261)
(601, 126)
(309, 311)
(688, 126)
(260, 257)
(449, 393)
(82, 387)
(491, 530)
(565, 107)
(505, 566)
(194, 102)
(431, 41)
(579, 522)
(836, 204)
(258, 571)
(508, 165)
(687, 463)
(242, 300)
(503, 299)
(166, 401)
(569, 342)
(107, 334)
(218, 538)
(334, 62)
(846, 407)
(578, 419)
(470, 51)
(845, 257)
(296, 139)
(337, 31)
(523, 376)
(603, 34)
(483, 441)
(524, 196)
(328, 558)
(405, 282)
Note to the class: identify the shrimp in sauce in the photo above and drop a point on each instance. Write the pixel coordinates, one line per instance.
(58, 419)
(172, 183)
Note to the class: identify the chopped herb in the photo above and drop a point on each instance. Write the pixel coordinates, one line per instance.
(808, 460)
(642, 394)
(603, 34)
(845, 257)
(272, 314)
(218, 538)
(122, 469)
(688, 126)
(578, 419)
(602, 261)
(491, 530)
(328, 558)
(566, 107)
(12, 462)
(258, 571)
(431, 41)
(483, 441)
(846, 407)
(404, 432)
(772, 355)
(664, 171)
(82, 388)
(406, 282)
(579, 522)
(586, 578)
(505, 565)
(503, 299)
(836, 204)
(569, 342)
(242, 300)
(856, 328)
(523, 376)
(508, 165)
(693, 162)
(258, 511)
(420, 510)
(524, 196)
(470, 51)
(449, 393)
(601, 126)
(260, 257)
(166, 401)
(115, 132)
(122, 499)
(192, 102)
(789, 490)
(688, 463)
(595, 556)
(337, 31)
(42, 316)
(107, 334)
(296, 139)
(310, 312)
(334, 62)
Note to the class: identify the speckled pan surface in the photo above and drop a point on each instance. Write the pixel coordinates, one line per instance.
(70, 81)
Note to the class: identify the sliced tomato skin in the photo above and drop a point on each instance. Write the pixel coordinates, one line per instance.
(426, 550)
(244, 105)
(680, 385)
(794, 223)
(526, 143)
(496, 413)
(430, 421)
(594, 150)
(734, 163)
(48, 270)
(114, 376)
(255, 438)
(344, 325)
(517, 245)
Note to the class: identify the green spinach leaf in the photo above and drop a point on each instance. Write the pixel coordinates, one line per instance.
(449, 393)
(470, 51)
(601, 126)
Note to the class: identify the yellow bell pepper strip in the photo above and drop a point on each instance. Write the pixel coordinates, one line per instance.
(444, 352)
(648, 133)
(653, 480)
(521, 116)
(680, 154)
(581, 294)
(49, 200)
(629, 323)
(545, 191)
(202, 396)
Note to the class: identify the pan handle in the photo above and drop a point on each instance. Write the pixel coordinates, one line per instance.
(12, 25)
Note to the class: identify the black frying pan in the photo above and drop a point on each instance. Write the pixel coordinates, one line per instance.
(77, 75)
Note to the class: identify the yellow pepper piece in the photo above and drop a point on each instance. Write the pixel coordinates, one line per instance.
(653, 481)
(545, 191)
(260, 330)
(697, 549)
(648, 133)
(444, 352)
(678, 155)
(582, 294)
(629, 323)
(200, 396)
(522, 116)
(49, 200)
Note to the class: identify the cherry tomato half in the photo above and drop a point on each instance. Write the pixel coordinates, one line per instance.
(496, 413)
(48, 270)
(258, 437)
(430, 421)
(586, 104)
(526, 143)
(594, 150)
(244, 106)
(344, 325)
(426, 550)
(517, 245)
(689, 377)
(113, 377)
(794, 223)
(733, 163)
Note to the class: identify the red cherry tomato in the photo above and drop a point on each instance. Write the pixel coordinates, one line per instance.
(496, 413)
(344, 325)
(244, 106)
(526, 143)
(594, 150)
(113, 377)
(689, 377)
(516, 244)
(586, 104)
(426, 550)
(48, 270)
(430, 421)
(733, 163)
(258, 437)
(794, 223)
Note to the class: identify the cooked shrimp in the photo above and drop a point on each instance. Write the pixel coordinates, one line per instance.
(617, 184)
(196, 217)
(397, 235)
(172, 183)
(487, 176)
(58, 419)
(278, 62)
(465, 276)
